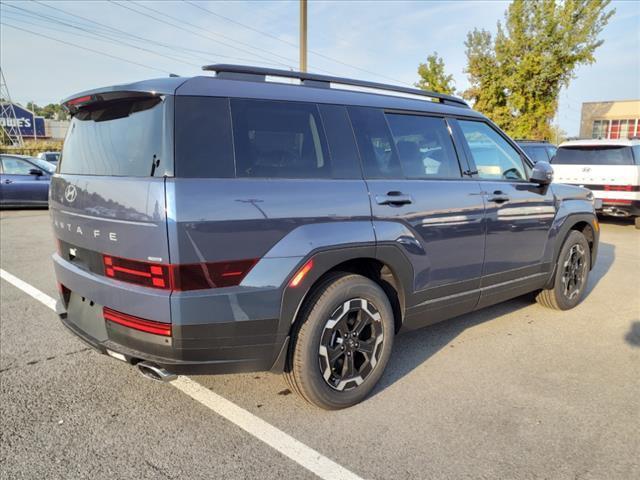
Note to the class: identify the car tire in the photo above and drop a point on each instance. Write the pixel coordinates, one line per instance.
(572, 274)
(341, 342)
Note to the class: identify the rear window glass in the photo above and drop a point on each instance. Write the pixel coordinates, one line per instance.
(279, 140)
(379, 158)
(594, 155)
(124, 138)
(424, 146)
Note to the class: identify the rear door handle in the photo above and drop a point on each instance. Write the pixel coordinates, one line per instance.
(395, 199)
(498, 197)
(8, 181)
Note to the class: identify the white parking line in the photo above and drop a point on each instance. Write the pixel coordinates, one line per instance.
(284, 443)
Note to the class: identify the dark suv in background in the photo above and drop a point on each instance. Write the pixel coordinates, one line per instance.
(538, 150)
(234, 223)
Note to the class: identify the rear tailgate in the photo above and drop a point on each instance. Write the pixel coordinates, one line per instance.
(610, 172)
(107, 204)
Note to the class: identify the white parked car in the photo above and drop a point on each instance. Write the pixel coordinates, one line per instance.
(609, 168)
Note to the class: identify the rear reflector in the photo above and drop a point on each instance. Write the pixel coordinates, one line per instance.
(615, 201)
(148, 326)
(295, 281)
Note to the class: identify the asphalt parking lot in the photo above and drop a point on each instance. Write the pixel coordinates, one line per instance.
(513, 391)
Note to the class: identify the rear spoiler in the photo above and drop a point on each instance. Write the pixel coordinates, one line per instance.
(75, 103)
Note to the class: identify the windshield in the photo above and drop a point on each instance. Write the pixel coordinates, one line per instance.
(44, 165)
(125, 138)
(594, 155)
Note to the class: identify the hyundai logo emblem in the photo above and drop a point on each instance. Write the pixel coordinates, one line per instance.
(70, 193)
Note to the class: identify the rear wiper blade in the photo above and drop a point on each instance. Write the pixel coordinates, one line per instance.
(154, 164)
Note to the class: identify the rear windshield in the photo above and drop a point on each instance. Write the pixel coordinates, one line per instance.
(537, 154)
(594, 155)
(124, 138)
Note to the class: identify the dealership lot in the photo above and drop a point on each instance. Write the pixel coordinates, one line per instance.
(512, 391)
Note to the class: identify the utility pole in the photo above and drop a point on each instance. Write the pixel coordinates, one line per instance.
(303, 35)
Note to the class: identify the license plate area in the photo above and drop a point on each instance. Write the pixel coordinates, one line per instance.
(87, 316)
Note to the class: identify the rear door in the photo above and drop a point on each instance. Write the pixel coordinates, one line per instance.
(421, 202)
(519, 214)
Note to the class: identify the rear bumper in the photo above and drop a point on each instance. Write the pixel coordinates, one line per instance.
(617, 208)
(217, 345)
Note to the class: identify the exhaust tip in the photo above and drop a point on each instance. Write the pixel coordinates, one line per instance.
(154, 372)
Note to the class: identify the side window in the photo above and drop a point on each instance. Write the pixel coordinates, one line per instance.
(277, 139)
(495, 159)
(15, 166)
(345, 161)
(379, 159)
(203, 142)
(424, 146)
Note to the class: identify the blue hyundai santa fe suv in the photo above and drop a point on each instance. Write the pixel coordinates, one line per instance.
(241, 222)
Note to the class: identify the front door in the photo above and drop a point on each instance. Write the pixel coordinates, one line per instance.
(519, 214)
(421, 203)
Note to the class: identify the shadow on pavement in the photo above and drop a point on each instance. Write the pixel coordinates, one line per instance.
(413, 349)
(622, 221)
(633, 336)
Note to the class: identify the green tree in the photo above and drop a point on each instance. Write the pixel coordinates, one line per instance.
(516, 77)
(433, 76)
(53, 111)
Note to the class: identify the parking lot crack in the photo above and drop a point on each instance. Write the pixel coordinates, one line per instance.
(46, 359)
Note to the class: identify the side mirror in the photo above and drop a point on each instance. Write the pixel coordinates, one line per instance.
(542, 173)
(35, 171)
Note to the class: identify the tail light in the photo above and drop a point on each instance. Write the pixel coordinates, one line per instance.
(618, 188)
(195, 276)
(617, 201)
(133, 271)
(210, 275)
(137, 323)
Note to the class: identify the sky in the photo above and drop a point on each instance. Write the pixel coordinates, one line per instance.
(47, 54)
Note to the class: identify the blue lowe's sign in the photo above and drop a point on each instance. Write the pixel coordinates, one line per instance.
(30, 125)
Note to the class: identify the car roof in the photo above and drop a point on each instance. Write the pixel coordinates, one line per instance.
(594, 142)
(313, 88)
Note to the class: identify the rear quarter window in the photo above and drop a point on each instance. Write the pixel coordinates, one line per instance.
(203, 137)
(275, 139)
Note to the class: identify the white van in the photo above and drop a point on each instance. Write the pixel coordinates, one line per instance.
(609, 168)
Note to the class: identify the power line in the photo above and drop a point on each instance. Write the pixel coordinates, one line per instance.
(290, 43)
(53, 19)
(200, 54)
(85, 48)
(180, 27)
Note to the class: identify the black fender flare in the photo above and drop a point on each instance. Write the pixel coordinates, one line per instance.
(325, 260)
(569, 222)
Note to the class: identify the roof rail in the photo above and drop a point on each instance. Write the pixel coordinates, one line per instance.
(243, 72)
